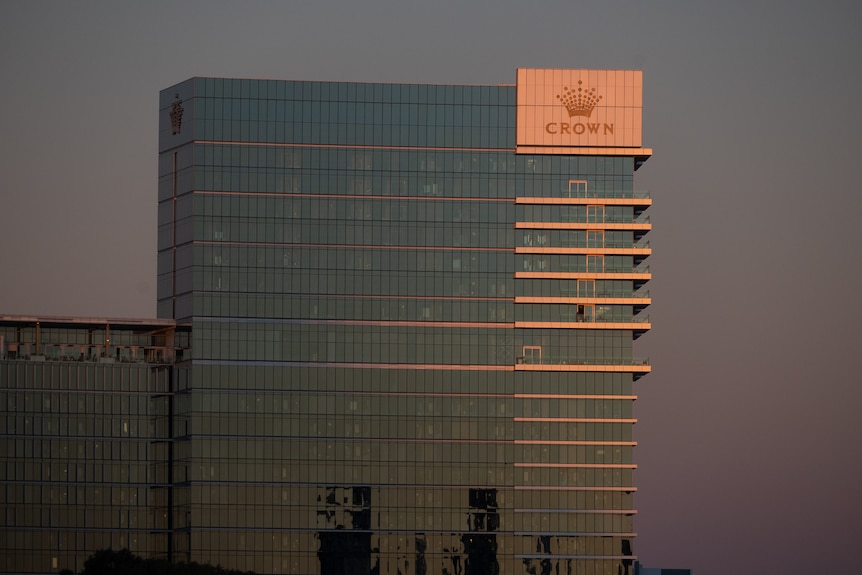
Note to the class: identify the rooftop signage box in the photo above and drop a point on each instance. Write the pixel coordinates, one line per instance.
(580, 111)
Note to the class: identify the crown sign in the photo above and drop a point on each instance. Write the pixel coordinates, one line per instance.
(580, 101)
(176, 115)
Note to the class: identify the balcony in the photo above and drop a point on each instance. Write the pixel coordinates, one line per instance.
(640, 225)
(638, 325)
(607, 197)
(638, 367)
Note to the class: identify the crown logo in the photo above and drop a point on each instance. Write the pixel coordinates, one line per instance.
(176, 115)
(579, 101)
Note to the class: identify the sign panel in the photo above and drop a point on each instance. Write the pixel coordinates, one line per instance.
(579, 108)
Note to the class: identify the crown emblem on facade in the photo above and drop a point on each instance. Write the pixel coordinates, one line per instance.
(579, 101)
(176, 115)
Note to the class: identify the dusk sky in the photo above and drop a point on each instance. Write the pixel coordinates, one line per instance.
(750, 426)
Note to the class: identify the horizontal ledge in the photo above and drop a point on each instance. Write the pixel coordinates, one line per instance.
(645, 301)
(552, 556)
(347, 246)
(583, 325)
(580, 200)
(564, 442)
(355, 365)
(564, 396)
(582, 367)
(585, 275)
(366, 322)
(575, 419)
(583, 226)
(579, 465)
(625, 489)
(352, 146)
(585, 251)
(385, 197)
(574, 533)
(591, 511)
(640, 153)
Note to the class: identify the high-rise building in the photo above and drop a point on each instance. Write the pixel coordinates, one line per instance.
(412, 311)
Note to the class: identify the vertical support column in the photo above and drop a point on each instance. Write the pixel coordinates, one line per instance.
(174, 240)
(170, 348)
(171, 465)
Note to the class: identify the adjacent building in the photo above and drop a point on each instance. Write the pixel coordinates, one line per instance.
(409, 313)
(641, 570)
(87, 438)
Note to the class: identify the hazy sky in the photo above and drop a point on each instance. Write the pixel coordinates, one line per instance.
(750, 432)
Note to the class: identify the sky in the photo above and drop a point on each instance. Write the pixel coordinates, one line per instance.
(750, 433)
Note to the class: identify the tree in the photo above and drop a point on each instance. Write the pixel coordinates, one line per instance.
(123, 562)
(109, 562)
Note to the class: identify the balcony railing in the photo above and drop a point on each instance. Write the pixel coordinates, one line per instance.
(582, 268)
(614, 194)
(580, 219)
(26, 351)
(583, 318)
(640, 245)
(546, 360)
(573, 292)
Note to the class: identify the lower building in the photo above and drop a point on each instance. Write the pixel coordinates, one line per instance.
(641, 570)
(86, 445)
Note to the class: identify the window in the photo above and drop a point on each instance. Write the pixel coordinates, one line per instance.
(595, 214)
(532, 354)
(577, 188)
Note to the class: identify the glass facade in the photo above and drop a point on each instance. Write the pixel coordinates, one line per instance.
(413, 345)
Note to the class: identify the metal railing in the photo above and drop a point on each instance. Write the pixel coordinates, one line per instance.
(573, 292)
(583, 318)
(600, 194)
(583, 219)
(640, 244)
(546, 360)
